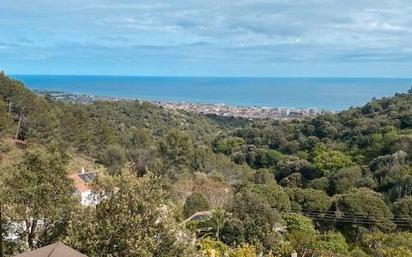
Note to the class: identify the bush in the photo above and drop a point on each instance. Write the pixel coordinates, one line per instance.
(194, 203)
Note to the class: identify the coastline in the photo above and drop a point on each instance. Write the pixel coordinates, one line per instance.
(224, 110)
(331, 94)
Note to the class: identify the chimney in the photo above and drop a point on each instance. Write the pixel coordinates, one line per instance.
(83, 171)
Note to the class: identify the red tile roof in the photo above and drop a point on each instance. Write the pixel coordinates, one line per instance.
(80, 183)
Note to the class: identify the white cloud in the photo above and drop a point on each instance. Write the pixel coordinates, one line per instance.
(254, 30)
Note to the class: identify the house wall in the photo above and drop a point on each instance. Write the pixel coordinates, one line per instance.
(87, 198)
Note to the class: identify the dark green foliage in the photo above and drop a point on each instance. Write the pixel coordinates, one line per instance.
(136, 137)
(383, 166)
(365, 208)
(33, 116)
(402, 210)
(309, 200)
(272, 194)
(345, 179)
(229, 122)
(299, 223)
(114, 157)
(397, 185)
(292, 164)
(346, 173)
(132, 219)
(76, 127)
(177, 148)
(321, 183)
(293, 180)
(217, 222)
(228, 145)
(366, 132)
(263, 176)
(240, 153)
(39, 193)
(393, 245)
(194, 203)
(4, 118)
(405, 121)
(265, 158)
(251, 211)
(333, 242)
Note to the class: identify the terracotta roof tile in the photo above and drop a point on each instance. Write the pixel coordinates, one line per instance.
(81, 182)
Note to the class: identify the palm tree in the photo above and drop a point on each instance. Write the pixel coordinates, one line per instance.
(217, 221)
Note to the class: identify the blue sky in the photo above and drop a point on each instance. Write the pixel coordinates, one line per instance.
(363, 38)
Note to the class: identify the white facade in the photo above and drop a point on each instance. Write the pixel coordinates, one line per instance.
(83, 190)
(87, 198)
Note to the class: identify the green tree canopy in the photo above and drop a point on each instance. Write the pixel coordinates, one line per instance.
(402, 210)
(272, 194)
(39, 196)
(114, 157)
(4, 118)
(363, 208)
(177, 147)
(299, 223)
(388, 245)
(194, 203)
(133, 219)
(333, 242)
(331, 161)
(251, 211)
(345, 179)
(309, 200)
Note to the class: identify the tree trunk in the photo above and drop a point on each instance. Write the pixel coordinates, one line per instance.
(31, 235)
(18, 128)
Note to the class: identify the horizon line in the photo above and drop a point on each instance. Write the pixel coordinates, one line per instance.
(209, 76)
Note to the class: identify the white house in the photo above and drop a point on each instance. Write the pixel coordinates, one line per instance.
(82, 185)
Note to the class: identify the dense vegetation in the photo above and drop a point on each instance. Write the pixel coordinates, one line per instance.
(337, 184)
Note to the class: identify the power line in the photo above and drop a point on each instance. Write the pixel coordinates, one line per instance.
(348, 213)
(331, 216)
(334, 213)
(350, 216)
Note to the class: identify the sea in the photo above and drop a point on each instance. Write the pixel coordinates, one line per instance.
(332, 94)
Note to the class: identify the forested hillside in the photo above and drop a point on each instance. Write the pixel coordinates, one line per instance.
(333, 185)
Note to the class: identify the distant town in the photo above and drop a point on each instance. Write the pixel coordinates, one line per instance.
(254, 112)
(247, 112)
